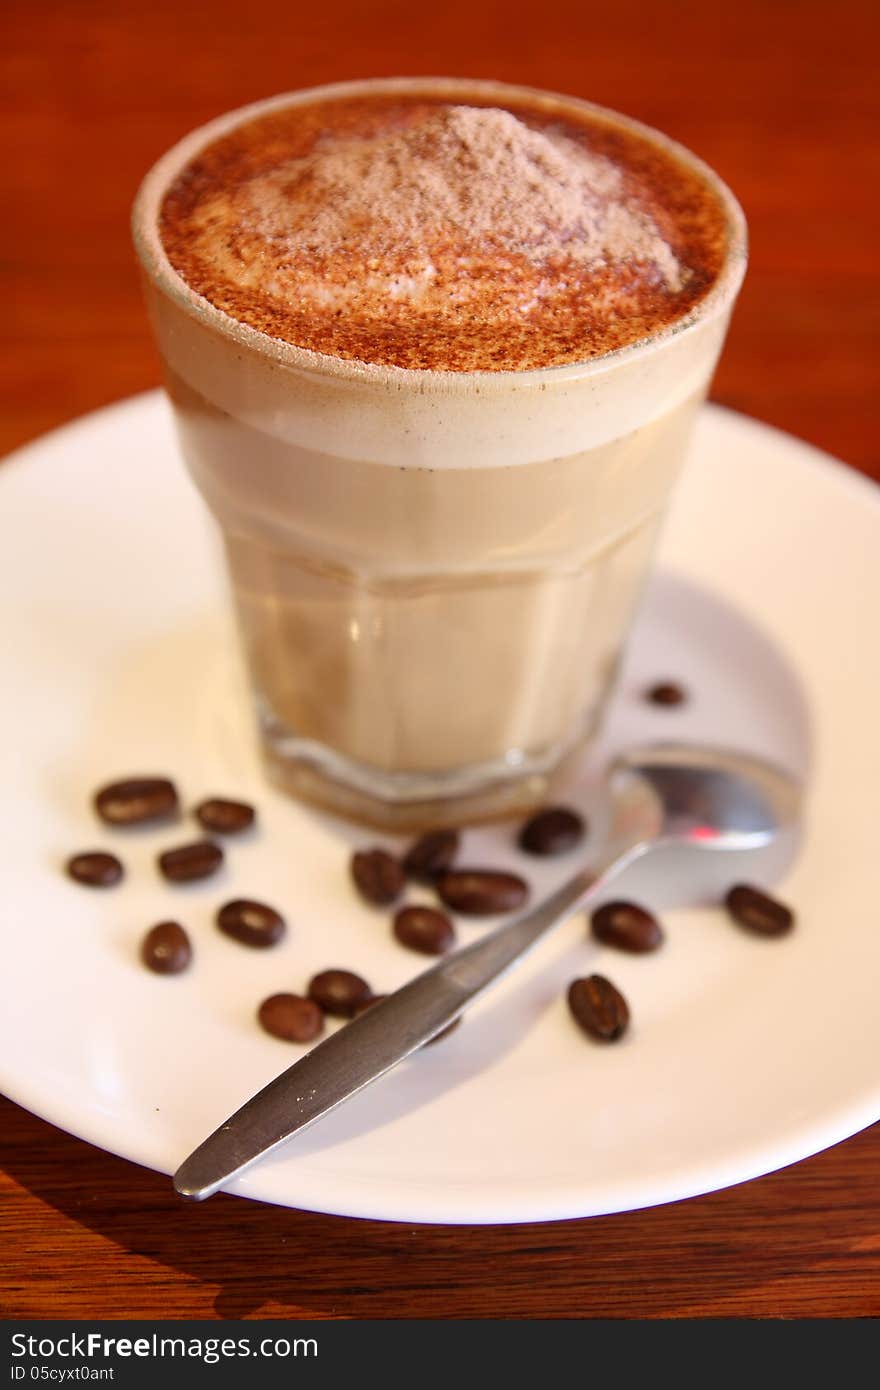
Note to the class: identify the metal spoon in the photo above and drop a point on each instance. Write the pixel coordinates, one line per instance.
(660, 795)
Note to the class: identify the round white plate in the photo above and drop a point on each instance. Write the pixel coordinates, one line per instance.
(744, 1055)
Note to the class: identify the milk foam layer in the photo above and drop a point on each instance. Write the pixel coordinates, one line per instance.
(432, 420)
(432, 235)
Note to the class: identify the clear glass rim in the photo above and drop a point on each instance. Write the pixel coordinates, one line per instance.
(157, 266)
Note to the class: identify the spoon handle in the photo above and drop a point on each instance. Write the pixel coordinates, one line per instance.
(377, 1040)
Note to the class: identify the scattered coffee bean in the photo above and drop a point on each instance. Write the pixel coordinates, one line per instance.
(339, 992)
(626, 926)
(378, 876)
(431, 855)
(291, 1017)
(598, 1008)
(95, 869)
(482, 892)
(166, 949)
(224, 817)
(137, 801)
(666, 693)
(424, 929)
(552, 831)
(251, 923)
(189, 862)
(755, 909)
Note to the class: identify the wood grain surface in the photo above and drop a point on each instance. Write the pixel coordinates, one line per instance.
(781, 97)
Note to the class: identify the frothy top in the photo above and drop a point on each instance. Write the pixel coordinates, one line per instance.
(423, 234)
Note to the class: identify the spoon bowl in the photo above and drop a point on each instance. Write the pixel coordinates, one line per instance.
(668, 794)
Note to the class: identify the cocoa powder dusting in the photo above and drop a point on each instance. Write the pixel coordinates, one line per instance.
(429, 235)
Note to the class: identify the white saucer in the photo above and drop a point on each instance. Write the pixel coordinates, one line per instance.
(745, 1054)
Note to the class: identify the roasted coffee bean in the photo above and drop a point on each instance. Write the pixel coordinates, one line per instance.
(431, 855)
(224, 817)
(666, 693)
(552, 831)
(291, 1017)
(626, 926)
(166, 949)
(251, 923)
(753, 908)
(339, 992)
(424, 929)
(482, 892)
(598, 1008)
(189, 862)
(95, 869)
(137, 801)
(378, 876)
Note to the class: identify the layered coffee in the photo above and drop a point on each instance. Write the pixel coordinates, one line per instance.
(435, 349)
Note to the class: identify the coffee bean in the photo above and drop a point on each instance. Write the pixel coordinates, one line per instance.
(251, 923)
(224, 817)
(378, 876)
(189, 862)
(482, 892)
(365, 1004)
(598, 1008)
(626, 926)
(95, 869)
(339, 992)
(666, 693)
(552, 831)
(137, 801)
(424, 929)
(166, 949)
(291, 1017)
(759, 912)
(431, 855)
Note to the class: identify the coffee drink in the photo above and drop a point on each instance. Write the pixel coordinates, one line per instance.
(435, 349)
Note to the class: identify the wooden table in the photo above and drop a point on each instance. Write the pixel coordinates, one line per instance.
(780, 98)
